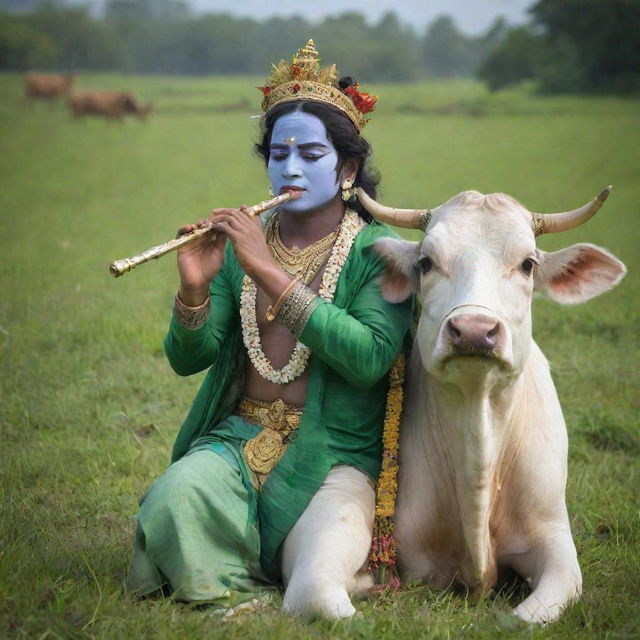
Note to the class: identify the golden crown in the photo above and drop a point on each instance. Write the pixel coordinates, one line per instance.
(303, 79)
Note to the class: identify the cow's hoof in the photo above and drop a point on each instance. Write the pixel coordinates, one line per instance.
(330, 602)
(343, 608)
(334, 603)
(537, 613)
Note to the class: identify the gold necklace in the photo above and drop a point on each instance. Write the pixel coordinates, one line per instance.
(303, 264)
(349, 229)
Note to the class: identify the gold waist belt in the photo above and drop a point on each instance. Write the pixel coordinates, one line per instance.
(278, 421)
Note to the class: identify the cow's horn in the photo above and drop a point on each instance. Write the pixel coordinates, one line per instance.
(406, 218)
(554, 222)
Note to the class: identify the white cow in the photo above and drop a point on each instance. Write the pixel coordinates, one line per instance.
(483, 445)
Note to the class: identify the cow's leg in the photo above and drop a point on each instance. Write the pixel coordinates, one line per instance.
(554, 574)
(328, 546)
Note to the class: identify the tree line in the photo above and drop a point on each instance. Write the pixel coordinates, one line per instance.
(571, 46)
(574, 45)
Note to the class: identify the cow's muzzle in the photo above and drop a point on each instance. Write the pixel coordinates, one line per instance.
(471, 339)
(475, 334)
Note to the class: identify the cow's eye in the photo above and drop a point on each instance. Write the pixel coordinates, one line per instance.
(528, 265)
(425, 264)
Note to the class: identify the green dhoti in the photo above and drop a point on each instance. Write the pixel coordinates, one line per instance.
(197, 530)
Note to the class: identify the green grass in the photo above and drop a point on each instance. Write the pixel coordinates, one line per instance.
(89, 406)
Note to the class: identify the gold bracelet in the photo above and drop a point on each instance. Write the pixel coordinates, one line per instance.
(191, 318)
(272, 310)
(308, 307)
(297, 308)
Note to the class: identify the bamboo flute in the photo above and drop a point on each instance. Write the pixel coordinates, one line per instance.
(120, 267)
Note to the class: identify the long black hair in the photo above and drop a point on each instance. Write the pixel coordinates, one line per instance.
(343, 135)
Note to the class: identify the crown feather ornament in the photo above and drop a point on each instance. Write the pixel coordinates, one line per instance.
(303, 79)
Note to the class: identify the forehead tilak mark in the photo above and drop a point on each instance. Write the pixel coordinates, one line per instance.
(290, 141)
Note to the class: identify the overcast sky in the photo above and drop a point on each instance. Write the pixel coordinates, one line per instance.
(471, 16)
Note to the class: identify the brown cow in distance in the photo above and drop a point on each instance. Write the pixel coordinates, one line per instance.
(47, 86)
(108, 104)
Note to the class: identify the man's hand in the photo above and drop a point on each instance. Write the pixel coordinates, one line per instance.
(198, 263)
(247, 238)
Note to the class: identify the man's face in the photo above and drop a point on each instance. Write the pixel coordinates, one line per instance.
(302, 158)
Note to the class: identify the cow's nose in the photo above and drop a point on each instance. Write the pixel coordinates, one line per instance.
(475, 333)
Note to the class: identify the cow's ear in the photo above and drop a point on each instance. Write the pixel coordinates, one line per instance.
(578, 273)
(399, 280)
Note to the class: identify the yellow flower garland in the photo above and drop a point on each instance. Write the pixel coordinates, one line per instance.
(383, 549)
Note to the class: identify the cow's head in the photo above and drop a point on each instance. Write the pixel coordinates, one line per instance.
(475, 273)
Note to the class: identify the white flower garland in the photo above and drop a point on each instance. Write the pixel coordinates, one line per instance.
(349, 229)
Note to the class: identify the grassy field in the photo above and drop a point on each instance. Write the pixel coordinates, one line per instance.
(89, 407)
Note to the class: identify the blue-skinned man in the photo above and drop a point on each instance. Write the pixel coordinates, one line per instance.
(274, 469)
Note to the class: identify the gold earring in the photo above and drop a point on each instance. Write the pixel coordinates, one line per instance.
(348, 192)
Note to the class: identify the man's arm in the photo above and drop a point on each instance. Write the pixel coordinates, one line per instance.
(359, 343)
(192, 350)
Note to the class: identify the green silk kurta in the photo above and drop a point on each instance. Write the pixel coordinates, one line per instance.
(353, 341)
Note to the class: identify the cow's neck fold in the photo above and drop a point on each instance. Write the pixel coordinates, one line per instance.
(472, 424)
